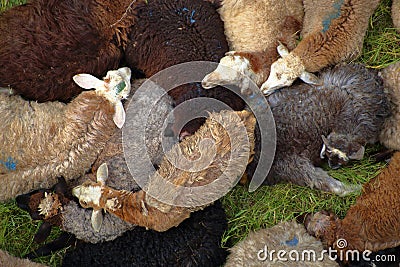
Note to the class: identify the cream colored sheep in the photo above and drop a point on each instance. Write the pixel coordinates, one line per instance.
(233, 147)
(396, 14)
(260, 248)
(41, 141)
(7, 260)
(253, 29)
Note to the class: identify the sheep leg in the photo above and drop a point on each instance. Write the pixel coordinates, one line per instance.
(63, 241)
(300, 171)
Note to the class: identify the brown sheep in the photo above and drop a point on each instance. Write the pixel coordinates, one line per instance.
(143, 209)
(390, 133)
(372, 223)
(45, 42)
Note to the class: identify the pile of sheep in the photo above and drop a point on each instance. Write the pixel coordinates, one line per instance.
(53, 130)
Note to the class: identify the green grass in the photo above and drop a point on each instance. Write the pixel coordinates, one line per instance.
(267, 205)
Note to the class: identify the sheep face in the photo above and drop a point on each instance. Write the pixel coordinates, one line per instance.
(285, 70)
(90, 195)
(114, 87)
(340, 149)
(232, 69)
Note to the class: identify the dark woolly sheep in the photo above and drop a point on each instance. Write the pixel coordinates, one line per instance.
(45, 42)
(335, 120)
(172, 32)
(195, 242)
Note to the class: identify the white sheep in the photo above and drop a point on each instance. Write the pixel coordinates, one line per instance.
(41, 141)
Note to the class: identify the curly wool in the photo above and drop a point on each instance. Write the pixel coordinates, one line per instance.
(391, 129)
(195, 242)
(285, 236)
(396, 14)
(47, 140)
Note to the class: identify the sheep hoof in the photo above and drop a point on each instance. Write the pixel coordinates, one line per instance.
(346, 190)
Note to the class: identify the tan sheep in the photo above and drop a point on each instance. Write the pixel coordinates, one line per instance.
(233, 148)
(372, 223)
(396, 14)
(7, 260)
(260, 248)
(41, 141)
(390, 136)
(253, 29)
(333, 32)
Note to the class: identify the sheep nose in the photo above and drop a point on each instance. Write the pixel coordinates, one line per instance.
(208, 81)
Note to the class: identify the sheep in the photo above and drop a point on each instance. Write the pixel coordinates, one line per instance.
(261, 248)
(396, 14)
(168, 33)
(195, 242)
(333, 32)
(334, 121)
(389, 136)
(7, 260)
(41, 141)
(371, 223)
(45, 42)
(147, 207)
(253, 38)
(76, 220)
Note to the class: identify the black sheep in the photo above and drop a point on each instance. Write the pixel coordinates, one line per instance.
(172, 32)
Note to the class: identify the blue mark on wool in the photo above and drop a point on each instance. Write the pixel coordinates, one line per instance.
(9, 163)
(293, 242)
(326, 23)
(192, 20)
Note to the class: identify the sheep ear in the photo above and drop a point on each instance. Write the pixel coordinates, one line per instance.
(119, 115)
(310, 78)
(87, 81)
(102, 173)
(282, 50)
(97, 220)
(325, 140)
(322, 153)
(359, 155)
(230, 53)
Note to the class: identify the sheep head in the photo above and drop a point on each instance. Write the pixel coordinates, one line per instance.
(46, 205)
(114, 87)
(322, 225)
(285, 70)
(340, 149)
(233, 68)
(90, 195)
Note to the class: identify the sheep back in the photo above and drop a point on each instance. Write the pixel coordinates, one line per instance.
(333, 32)
(286, 236)
(45, 42)
(257, 25)
(7, 260)
(195, 242)
(48, 140)
(391, 78)
(396, 14)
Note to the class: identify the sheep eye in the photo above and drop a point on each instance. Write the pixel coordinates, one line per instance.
(83, 203)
